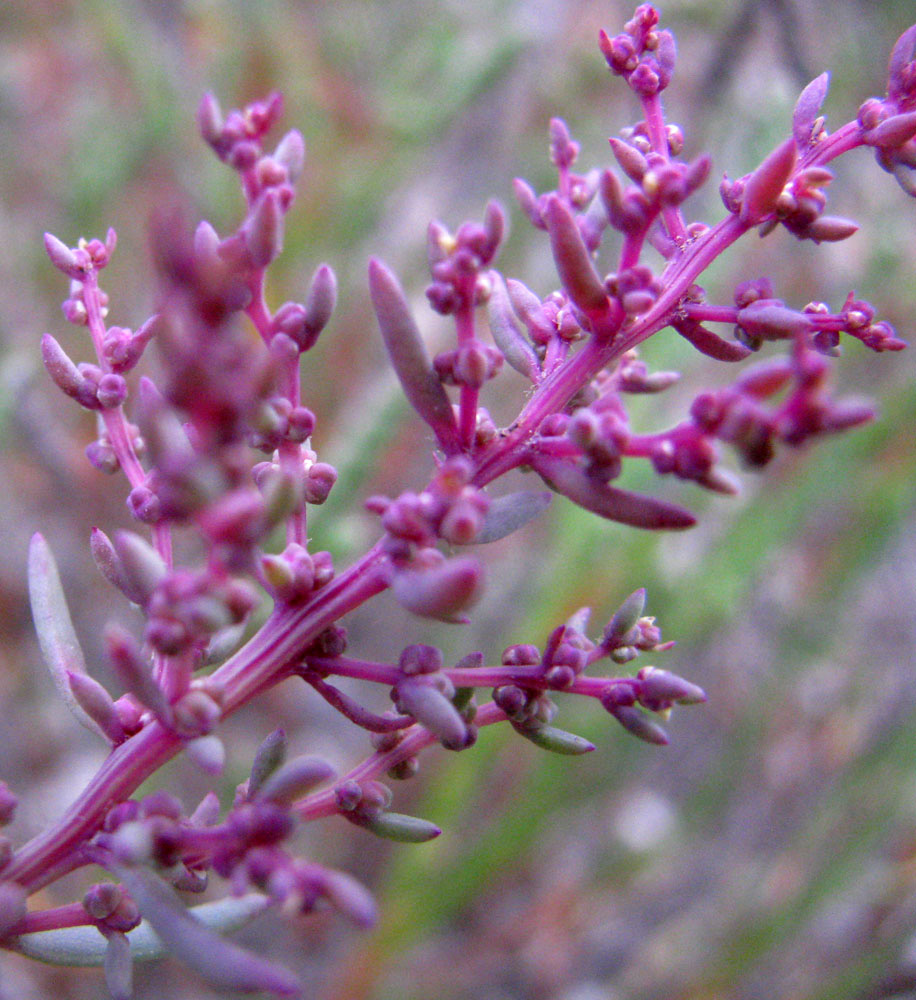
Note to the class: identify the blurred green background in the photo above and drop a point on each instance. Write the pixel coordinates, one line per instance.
(770, 851)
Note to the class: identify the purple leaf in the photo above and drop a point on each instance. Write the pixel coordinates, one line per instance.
(59, 645)
(807, 108)
(220, 963)
(405, 829)
(268, 757)
(433, 710)
(709, 343)
(119, 967)
(765, 184)
(441, 592)
(295, 778)
(409, 357)
(574, 262)
(615, 504)
(556, 740)
(506, 334)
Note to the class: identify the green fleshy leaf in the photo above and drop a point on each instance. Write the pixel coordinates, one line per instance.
(54, 627)
(85, 946)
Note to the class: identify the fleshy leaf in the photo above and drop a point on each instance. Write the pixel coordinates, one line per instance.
(574, 263)
(56, 636)
(221, 963)
(625, 618)
(807, 108)
(403, 828)
(508, 513)
(409, 357)
(506, 334)
(615, 504)
(557, 740)
(765, 184)
(901, 56)
(119, 967)
(269, 756)
(709, 343)
(442, 592)
(85, 946)
(433, 710)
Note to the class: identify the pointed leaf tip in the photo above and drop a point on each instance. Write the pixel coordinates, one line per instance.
(408, 355)
(219, 962)
(807, 108)
(56, 636)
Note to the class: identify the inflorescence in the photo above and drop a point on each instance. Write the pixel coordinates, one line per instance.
(221, 444)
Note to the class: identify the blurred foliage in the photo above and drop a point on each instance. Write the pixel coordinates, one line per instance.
(771, 850)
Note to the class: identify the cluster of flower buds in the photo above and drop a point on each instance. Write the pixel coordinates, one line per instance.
(450, 509)
(658, 182)
(458, 262)
(643, 55)
(889, 125)
(577, 191)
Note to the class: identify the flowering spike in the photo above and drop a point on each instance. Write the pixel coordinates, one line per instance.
(408, 355)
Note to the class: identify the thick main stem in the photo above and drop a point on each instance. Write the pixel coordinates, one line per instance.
(282, 639)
